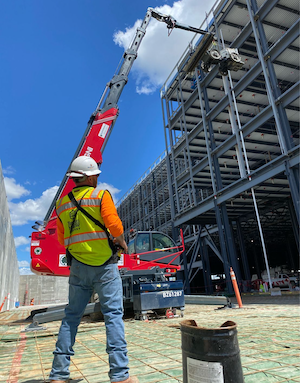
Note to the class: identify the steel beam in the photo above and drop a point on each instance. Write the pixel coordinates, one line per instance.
(207, 300)
(249, 77)
(209, 242)
(270, 170)
(285, 99)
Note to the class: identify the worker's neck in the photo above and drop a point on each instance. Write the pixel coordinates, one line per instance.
(82, 185)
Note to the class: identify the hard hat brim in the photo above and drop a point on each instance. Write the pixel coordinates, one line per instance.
(79, 175)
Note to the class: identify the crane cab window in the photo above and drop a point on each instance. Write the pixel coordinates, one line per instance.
(161, 241)
(143, 243)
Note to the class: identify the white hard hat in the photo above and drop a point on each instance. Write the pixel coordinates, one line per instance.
(83, 166)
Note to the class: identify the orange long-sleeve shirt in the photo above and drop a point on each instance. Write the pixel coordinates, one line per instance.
(109, 215)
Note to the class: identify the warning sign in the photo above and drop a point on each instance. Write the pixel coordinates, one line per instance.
(199, 371)
(62, 260)
(103, 130)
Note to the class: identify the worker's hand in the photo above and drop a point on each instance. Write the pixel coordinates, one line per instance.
(121, 241)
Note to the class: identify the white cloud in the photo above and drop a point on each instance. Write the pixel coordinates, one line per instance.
(19, 241)
(30, 183)
(22, 213)
(25, 271)
(23, 264)
(24, 268)
(32, 209)
(158, 53)
(9, 170)
(14, 190)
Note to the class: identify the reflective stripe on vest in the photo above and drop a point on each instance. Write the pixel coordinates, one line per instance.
(88, 242)
(84, 202)
(84, 237)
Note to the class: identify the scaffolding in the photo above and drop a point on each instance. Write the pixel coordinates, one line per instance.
(231, 174)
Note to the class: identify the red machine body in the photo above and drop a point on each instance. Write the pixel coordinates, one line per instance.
(48, 257)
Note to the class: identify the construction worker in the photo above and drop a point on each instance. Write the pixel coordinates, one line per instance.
(93, 267)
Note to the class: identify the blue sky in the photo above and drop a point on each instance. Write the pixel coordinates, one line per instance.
(56, 58)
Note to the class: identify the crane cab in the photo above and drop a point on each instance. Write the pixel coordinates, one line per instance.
(154, 246)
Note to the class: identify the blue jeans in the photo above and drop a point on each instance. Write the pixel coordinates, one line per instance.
(106, 281)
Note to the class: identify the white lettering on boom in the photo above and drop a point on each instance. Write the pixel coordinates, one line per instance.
(88, 151)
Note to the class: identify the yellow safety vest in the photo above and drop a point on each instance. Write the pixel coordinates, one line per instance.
(88, 242)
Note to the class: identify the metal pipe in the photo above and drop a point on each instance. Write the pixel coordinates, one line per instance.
(249, 177)
(102, 98)
(234, 128)
(261, 237)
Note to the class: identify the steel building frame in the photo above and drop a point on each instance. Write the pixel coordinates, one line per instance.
(146, 205)
(233, 159)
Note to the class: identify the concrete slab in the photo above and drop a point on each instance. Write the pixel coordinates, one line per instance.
(268, 333)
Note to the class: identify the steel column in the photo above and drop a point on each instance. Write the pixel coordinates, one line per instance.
(206, 268)
(247, 273)
(256, 262)
(228, 236)
(195, 253)
(281, 137)
(295, 225)
(187, 144)
(217, 211)
(203, 113)
(223, 248)
(172, 158)
(286, 131)
(293, 178)
(230, 243)
(187, 288)
(290, 255)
